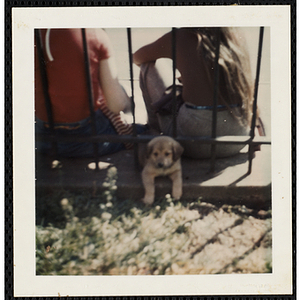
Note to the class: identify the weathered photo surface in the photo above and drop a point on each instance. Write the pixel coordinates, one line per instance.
(104, 205)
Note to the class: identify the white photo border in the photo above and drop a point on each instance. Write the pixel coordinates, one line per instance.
(24, 21)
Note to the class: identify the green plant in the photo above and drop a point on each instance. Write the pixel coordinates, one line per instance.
(102, 235)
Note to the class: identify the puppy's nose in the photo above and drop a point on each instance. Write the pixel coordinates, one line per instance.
(160, 165)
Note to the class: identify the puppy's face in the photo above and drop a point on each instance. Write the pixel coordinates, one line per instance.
(163, 152)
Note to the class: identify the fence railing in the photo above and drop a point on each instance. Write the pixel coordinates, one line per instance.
(213, 140)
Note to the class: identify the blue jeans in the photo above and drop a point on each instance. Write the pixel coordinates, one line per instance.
(83, 127)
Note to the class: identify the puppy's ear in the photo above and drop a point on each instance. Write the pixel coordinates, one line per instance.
(177, 150)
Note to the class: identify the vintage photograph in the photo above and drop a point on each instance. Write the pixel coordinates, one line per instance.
(154, 158)
(195, 221)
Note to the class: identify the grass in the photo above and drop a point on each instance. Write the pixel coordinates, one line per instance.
(85, 234)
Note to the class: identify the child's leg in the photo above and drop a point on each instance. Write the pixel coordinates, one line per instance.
(154, 79)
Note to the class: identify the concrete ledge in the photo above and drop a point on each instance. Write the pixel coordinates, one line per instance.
(229, 184)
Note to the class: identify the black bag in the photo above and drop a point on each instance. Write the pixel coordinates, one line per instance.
(164, 106)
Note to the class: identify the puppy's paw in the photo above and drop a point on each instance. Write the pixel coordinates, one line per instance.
(148, 200)
(177, 193)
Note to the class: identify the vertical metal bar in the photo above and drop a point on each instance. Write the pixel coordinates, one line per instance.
(44, 79)
(174, 106)
(254, 114)
(135, 149)
(215, 100)
(131, 78)
(90, 93)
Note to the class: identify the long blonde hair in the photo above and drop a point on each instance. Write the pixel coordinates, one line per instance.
(234, 68)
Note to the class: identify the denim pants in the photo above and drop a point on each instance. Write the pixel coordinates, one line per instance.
(83, 127)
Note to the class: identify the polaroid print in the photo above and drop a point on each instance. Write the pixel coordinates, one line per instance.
(202, 209)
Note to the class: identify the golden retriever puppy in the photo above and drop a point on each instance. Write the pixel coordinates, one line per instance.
(161, 158)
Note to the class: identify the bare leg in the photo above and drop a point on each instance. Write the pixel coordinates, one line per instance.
(155, 77)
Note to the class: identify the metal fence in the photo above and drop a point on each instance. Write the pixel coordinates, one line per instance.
(250, 140)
